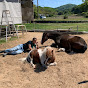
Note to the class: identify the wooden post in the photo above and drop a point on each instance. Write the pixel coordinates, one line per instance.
(77, 29)
(25, 28)
(17, 32)
(34, 26)
(37, 10)
(0, 32)
(6, 33)
(22, 30)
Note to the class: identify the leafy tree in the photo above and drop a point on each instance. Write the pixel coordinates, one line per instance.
(84, 0)
(65, 9)
(47, 11)
(65, 17)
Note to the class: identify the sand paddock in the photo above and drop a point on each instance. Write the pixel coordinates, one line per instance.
(71, 70)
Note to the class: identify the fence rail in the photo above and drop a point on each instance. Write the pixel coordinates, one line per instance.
(60, 21)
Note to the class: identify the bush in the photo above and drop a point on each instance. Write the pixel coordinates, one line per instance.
(65, 16)
(85, 14)
(35, 15)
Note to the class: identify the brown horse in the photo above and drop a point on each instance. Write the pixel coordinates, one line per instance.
(71, 44)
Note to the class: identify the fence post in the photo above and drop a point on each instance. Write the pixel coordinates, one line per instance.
(6, 32)
(34, 26)
(77, 29)
(0, 32)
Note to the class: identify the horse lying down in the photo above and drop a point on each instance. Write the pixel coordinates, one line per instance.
(45, 57)
(71, 44)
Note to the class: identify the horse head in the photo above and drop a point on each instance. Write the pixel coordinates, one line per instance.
(50, 55)
(44, 37)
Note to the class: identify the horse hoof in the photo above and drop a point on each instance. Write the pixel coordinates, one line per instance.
(55, 63)
(33, 66)
(62, 49)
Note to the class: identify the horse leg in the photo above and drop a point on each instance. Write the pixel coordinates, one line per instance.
(62, 49)
(43, 64)
(68, 48)
(30, 60)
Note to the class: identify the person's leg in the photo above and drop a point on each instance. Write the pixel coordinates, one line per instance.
(18, 47)
(3, 51)
(15, 50)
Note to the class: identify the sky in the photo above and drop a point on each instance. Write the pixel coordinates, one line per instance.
(56, 3)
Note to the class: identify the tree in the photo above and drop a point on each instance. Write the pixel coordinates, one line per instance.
(84, 0)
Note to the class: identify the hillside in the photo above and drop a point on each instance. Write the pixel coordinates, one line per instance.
(65, 7)
(48, 11)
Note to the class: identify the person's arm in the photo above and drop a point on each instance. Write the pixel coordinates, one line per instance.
(30, 48)
(37, 45)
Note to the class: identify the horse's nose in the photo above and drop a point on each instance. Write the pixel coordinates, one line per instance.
(41, 42)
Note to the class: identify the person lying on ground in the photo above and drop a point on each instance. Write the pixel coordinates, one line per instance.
(21, 48)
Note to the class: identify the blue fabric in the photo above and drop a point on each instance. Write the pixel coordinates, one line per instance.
(15, 50)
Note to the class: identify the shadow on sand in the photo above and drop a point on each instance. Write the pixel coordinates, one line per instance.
(83, 82)
(39, 68)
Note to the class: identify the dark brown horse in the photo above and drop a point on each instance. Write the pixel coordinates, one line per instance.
(73, 44)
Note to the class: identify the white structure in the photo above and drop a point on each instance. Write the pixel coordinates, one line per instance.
(14, 6)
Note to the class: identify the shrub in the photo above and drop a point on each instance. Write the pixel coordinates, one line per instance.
(85, 14)
(65, 16)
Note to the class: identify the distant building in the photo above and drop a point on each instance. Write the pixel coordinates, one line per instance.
(14, 7)
(21, 10)
(27, 10)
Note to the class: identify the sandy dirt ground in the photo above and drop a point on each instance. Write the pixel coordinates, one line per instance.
(71, 71)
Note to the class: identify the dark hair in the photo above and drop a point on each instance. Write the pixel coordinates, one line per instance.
(34, 39)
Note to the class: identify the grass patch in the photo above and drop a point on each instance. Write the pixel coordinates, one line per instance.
(60, 18)
(53, 26)
(13, 38)
(2, 41)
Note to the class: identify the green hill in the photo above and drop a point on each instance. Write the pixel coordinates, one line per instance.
(65, 7)
(48, 11)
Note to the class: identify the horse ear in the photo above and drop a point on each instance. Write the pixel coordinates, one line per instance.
(46, 33)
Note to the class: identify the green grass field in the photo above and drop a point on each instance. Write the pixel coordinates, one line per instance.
(71, 17)
(54, 26)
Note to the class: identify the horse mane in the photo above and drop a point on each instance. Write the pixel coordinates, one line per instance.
(45, 50)
(54, 32)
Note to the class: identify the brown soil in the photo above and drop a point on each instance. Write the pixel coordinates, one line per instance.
(71, 70)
